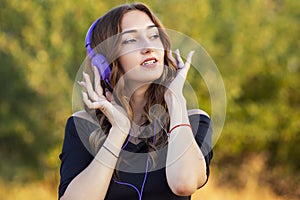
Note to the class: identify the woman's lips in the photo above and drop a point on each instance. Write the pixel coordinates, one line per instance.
(149, 62)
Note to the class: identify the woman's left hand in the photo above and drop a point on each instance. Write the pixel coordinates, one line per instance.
(95, 98)
(176, 86)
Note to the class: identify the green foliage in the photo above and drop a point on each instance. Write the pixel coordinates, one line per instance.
(254, 43)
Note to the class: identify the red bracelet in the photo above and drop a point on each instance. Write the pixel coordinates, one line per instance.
(177, 127)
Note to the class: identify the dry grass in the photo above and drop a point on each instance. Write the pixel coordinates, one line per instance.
(250, 171)
(33, 191)
(210, 191)
(251, 192)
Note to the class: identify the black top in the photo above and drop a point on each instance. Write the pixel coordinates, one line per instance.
(75, 157)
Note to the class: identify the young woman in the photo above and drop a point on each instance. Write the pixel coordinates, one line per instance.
(135, 139)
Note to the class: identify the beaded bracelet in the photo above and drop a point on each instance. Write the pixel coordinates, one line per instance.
(174, 127)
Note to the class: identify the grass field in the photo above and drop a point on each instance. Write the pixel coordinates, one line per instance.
(213, 190)
(38, 191)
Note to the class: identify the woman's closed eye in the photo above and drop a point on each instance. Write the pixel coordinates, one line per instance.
(154, 36)
(129, 41)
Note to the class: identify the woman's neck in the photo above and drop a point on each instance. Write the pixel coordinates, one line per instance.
(136, 93)
(138, 102)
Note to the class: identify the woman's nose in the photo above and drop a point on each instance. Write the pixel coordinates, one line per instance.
(146, 45)
(146, 50)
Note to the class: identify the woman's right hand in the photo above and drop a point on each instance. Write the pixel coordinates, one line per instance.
(94, 99)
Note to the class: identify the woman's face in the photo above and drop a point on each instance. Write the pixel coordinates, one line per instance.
(141, 50)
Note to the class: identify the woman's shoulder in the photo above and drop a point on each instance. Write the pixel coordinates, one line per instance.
(198, 117)
(78, 129)
(197, 112)
(80, 122)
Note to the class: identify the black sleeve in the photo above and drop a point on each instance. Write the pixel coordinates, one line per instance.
(74, 156)
(202, 130)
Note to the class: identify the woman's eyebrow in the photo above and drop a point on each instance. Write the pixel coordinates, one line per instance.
(136, 30)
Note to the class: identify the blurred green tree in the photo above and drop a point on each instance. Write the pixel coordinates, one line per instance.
(254, 43)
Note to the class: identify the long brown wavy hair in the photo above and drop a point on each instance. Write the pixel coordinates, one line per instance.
(108, 26)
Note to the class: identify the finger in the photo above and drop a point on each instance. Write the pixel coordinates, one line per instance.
(86, 101)
(179, 60)
(108, 95)
(189, 59)
(106, 108)
(81, 83)
(93, 105)
(184, 71)
(98, 88)
(112, 100)
(88, 84)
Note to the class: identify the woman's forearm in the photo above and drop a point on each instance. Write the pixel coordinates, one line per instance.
(185, 167)
(93, 182)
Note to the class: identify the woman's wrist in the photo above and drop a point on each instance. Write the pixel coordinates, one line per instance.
(117, 136)
(174, 99)
(124, 130)
(176, 105)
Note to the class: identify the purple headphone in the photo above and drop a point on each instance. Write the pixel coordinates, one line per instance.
(97, 60)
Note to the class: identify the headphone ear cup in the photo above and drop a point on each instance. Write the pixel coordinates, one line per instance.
(102, 65)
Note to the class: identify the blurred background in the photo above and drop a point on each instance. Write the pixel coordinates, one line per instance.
(254, 43)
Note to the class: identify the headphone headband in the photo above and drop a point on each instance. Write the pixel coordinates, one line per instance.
(88, 37)
(97, 60)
